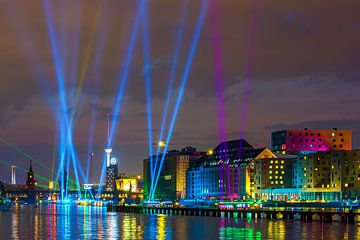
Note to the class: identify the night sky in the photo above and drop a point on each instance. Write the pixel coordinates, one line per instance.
(295, 63)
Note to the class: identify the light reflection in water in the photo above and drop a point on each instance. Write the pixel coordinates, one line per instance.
(37, 226)
(112, 229)
(161, 227)
(86, 222)
(232, 232)
(276, 229)
(15, 225)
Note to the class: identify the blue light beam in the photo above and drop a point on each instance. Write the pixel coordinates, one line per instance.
(182, 86)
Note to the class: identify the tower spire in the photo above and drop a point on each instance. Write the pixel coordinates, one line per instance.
(31, 168)
(108, 149)
(108, 129)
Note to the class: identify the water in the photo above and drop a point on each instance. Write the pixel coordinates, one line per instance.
(81, 222)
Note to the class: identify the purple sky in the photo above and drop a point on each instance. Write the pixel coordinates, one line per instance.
(305, 73)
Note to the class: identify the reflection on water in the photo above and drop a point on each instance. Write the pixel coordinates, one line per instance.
(276, 230)
(229, 232)
(85, 222)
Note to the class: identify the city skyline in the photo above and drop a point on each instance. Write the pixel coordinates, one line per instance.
(299, 77)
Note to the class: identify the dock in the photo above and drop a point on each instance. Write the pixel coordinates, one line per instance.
(328, 216)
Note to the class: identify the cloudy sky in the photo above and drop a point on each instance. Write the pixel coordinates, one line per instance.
(259, 66)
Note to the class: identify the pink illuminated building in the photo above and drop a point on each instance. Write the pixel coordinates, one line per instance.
(294, 141)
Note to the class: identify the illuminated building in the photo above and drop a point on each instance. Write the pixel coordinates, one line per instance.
(111, 174)
(333, 175)
(13, 174)
(226, 173)
(126, 184)
(271, 171)
(294, 141)
(172, 180)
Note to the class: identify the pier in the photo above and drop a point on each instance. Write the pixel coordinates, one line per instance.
(328, 216)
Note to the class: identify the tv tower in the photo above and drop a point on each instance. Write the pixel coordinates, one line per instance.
(111, 163)
(108, 149)
(13, 174)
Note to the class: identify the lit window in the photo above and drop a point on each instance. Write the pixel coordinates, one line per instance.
(270, 167)
(282, 161)
(305, 169)
(270, 172)
(276, 172)
(276, 167)
(281, 182)
(276, 161)
(282, 172)
(304, 174)
(270, 177)
(333, 134)
(281, 166)
(272, 182)
(271, 161)
(276, 177)
(276, 182)
(281, 177)
(346, 184)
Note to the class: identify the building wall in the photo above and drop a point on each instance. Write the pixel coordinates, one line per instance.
(335, 172)
(182, 164)
(271, 172)
(290, 141)
(205, 182)
(172, 178)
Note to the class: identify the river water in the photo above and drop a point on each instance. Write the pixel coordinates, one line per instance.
(84, 222)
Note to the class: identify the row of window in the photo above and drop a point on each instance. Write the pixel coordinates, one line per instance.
(318, 134)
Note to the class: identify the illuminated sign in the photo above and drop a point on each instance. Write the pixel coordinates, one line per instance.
(88, 186)
(113, 161)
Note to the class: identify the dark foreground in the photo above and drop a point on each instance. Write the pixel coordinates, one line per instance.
(84, 222)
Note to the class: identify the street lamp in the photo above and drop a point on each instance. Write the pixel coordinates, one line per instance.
(161, 144)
